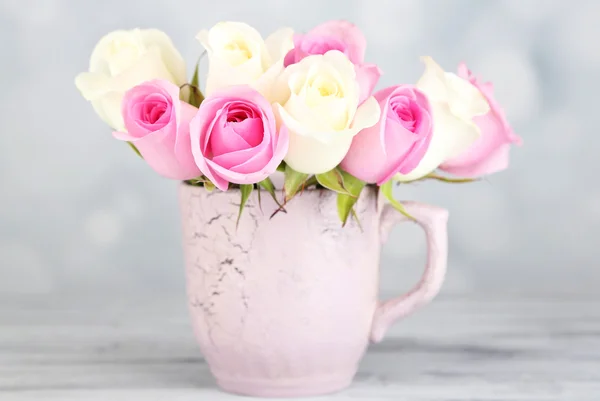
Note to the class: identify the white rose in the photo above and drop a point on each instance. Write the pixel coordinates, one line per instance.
(317, 100)
(454, 103)
(238, 55)
(122, 60)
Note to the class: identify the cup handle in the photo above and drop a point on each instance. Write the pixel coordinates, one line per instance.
(434, 221)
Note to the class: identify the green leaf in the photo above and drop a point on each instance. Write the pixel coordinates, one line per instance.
(293, 182)
(246, 190)
(386, 189)
(345, 202)
(281, 167)
(333, 180)
(132, 146)
(268, 185)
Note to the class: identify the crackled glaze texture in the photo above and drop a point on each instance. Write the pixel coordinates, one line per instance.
(285, 306)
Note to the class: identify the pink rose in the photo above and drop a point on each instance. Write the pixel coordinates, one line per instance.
(235, 138)
(398, 142)
(490, 153)
(157, 123)
(344, 37)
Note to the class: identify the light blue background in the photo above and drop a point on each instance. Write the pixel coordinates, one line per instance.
(79, 212)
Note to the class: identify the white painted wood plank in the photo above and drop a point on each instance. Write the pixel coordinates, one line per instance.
(459, 348)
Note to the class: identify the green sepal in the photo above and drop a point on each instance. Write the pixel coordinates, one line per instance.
(346, 201)
(202, 181)
(345, 205)
(209, 186)
(355, 216)
(196, 96)
(293, 182)
(198, 181)
(352, 184)
(451, 180)
(333, 180)
(386, 190)
(268, 186)
(137, 152)
(258, 195)
(246, 190)
(312, 180)
(195, 80)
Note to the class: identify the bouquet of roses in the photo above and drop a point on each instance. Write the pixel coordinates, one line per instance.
(303, 104)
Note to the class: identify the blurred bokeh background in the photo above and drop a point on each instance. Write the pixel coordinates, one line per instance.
(79, 212)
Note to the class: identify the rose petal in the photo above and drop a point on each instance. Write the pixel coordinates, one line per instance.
(223, 138)
(167, 150)
(183, 146)
(345, 32)
(140, 96)
(451, 136)
(259, 175)
(245, 161)
(433, 81)
(279, 43)
(367, 76)
(465, 100)
(495, 161)
(366, 115)
(215, 176)
(251, 130)
(222, 71)
(366, 158)
(309, 155)
(171, 57)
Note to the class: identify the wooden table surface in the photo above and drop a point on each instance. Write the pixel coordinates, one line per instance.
(126, 348)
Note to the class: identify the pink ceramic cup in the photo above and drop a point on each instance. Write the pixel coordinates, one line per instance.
(286, 306)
